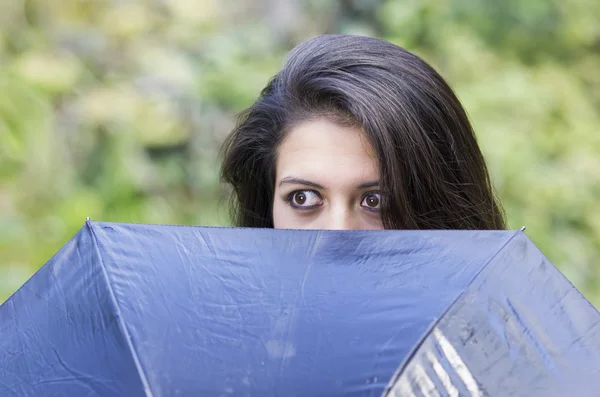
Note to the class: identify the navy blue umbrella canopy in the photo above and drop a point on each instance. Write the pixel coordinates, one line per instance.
(155, 310)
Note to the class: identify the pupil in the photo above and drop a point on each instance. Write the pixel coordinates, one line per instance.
(300, 198)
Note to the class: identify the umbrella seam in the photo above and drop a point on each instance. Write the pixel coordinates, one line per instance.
(435, 323)
(122, 326)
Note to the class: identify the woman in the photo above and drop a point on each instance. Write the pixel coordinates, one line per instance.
(357, 133)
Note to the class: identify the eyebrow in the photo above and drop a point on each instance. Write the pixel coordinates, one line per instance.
(367, 185)
(299, 181)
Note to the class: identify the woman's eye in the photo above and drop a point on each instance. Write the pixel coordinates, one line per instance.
(305, 199)
(371, 201)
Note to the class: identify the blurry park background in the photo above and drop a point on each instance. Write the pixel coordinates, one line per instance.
(115, 109)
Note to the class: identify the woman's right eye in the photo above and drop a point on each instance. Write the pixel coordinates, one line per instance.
(304, 199)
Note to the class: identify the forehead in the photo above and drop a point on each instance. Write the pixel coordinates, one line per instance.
(321, 150)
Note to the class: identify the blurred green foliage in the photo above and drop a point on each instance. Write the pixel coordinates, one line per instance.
(116, 109)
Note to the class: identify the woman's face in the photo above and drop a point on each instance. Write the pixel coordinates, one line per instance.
(327, 177)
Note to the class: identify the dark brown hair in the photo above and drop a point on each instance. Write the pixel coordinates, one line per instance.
(433, 174)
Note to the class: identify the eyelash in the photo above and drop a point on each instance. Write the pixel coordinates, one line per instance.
(290, 196)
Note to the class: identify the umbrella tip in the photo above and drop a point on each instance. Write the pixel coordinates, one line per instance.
(522, 228)
(87, 218)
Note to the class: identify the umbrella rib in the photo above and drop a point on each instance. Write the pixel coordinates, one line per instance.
(121, 323)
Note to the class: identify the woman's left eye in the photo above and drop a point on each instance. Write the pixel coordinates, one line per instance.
(371, 201)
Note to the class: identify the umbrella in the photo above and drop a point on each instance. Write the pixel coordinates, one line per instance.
(157, 310)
